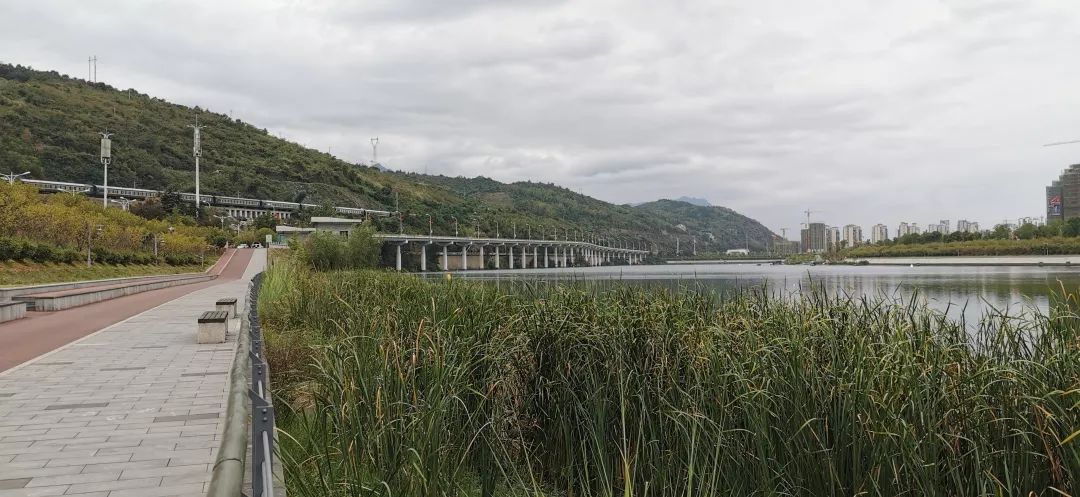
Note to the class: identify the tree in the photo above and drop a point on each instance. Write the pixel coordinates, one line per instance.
(1072, 227)
(265, 220)
(150, 208)
(1001, 232)
(1026, 232)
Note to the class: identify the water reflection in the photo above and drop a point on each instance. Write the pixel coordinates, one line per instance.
(966, 291)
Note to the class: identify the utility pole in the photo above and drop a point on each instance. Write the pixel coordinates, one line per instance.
(197, 149)
(91, 69)
(106, 157)
(374, 151)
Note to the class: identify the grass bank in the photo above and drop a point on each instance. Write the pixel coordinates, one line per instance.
(31, 273)
(392, 385)
(1037, 246)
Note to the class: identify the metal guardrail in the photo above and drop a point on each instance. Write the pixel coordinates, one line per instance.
(262, 410)
(249, 364)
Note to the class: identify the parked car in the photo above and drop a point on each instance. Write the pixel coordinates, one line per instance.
(258, 245)
(242, 245)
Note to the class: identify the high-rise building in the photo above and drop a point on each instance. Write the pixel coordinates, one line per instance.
(908, 229)
(963, 225)
(943, 227)
(1063, 195)
(832, 238)
(879, 233)
(853, 235)
(813, 238)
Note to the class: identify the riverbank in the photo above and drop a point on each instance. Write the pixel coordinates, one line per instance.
(1004, 260)
(414, 386)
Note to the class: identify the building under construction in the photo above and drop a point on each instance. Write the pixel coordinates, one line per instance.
(814, 238)
(1063, 195)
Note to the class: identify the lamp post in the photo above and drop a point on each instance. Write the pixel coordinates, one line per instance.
(197, 149)
(90, 241)
(496, 229)
(430, 229)
(106, 158)
(455, 226)
(12, 177)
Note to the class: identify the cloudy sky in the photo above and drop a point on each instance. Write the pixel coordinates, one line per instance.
(867, 111)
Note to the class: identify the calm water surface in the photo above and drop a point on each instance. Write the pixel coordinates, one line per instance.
(967, 290)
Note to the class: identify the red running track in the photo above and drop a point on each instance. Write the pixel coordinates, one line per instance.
(41, 332)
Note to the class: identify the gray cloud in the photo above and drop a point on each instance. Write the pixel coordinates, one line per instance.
(870, 112)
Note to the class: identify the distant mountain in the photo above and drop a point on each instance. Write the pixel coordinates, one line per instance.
(49, 125)
(700, 202)
(716, 228)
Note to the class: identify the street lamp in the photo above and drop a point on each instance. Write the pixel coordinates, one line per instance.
(90, 240)
(197, 150)
(106, 158)
(12, 177)
(125, 203)
(430, 230)
(455, 226)
(496, 229)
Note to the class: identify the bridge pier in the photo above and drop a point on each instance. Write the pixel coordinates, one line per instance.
(464, 257)
(510, 256)
(547, 259)
(496, 257)
(445, 258)
(423, 257)
(482, 264)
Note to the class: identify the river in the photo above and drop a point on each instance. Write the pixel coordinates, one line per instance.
(970, 291)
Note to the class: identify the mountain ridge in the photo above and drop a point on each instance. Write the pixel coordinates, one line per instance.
(49, 125)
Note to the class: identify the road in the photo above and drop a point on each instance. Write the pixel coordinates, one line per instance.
(41, 332)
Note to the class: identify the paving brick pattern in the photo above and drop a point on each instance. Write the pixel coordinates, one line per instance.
(136, 409)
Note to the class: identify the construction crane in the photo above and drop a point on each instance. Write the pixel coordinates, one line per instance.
(1061, 143)
(808, 212)
(783, 232)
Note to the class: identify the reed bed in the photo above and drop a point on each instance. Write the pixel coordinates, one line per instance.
(392, 385)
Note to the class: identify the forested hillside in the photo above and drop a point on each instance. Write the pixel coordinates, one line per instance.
(49, 125)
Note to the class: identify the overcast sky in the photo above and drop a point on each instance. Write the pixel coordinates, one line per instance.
(867, 111)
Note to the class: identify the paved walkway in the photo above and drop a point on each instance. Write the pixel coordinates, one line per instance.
(40, 332)
(135, 409)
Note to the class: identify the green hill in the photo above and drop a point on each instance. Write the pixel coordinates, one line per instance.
(49, 125)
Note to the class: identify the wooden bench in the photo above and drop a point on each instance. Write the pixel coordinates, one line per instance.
(227, 305)
(213, 326)
(10, 311)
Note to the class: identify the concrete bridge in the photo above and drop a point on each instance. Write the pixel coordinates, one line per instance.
(464, 253)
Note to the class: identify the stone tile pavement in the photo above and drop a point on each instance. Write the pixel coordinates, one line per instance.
(136, 409)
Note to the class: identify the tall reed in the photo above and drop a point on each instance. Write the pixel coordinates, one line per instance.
(401, 386)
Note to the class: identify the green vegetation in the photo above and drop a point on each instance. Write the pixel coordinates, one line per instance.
(61, 228)
(1034, 246)
(31, 273)
(49, 125)
(387, 384)
(325, 251)
(1028, 239)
